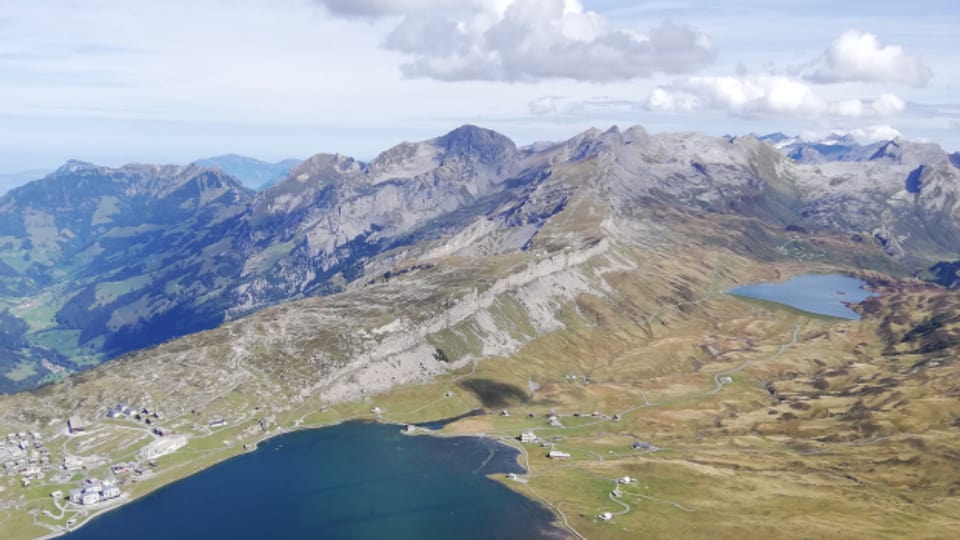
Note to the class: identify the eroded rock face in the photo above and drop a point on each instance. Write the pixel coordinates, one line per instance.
(118, 259)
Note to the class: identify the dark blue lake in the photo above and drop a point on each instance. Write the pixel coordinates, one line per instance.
(814, 293)
(352, 481)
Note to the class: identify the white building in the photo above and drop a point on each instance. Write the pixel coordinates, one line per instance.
(76, 496)
(90, 496)
(528, 437)
(162, 447)
(556, 454)
(110, 492)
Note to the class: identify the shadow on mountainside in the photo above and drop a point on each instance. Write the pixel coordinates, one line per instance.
(494, 393)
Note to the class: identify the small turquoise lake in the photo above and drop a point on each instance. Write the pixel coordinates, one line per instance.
(352, 481)
(821, 294)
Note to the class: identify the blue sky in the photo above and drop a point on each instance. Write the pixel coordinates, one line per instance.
(115, 81)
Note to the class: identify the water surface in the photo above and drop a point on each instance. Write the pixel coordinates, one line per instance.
(352, 481)
(822, 294)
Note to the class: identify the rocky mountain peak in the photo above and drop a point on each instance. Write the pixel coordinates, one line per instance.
(890, 150)
(326, 167)
(74, 166)
(484, 145)
(635, 134)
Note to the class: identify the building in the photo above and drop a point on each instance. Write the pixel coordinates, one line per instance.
(557, 454)
(218, 423)
(528, 437)
(76, 496)
(162, 447)
(606, 516)
(76, 424)
(110, 491)
(90, 496)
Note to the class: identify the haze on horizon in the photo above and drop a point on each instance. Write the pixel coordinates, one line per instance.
(114, 82)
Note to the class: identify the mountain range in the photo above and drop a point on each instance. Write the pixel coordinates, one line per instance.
(96, 262)
(252, 173)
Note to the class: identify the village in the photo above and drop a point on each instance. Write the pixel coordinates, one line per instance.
(69, 463)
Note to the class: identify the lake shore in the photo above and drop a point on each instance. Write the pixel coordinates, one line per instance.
(191, 469)
(322, 479)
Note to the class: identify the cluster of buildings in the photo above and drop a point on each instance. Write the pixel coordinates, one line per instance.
(145, 414)
(94, 491)
(24, 454)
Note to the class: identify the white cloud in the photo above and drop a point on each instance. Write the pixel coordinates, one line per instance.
(888, 105)
(876, 133)
(863, 135)
(544, 105)
(527, 40)
(668, 101)
(859, 56)
(765, 95)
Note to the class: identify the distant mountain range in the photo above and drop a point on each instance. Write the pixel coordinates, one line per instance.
(252, 173)
(96, 262)
(839, 147)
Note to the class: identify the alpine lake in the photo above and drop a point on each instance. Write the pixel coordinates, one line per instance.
(358, 480)
(820, 294)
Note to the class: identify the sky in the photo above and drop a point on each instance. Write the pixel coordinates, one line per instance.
(118, 81)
